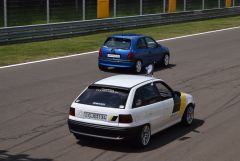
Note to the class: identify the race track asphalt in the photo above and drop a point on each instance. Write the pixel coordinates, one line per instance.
(35, 99)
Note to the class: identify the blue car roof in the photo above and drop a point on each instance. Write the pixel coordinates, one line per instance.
(128, 36)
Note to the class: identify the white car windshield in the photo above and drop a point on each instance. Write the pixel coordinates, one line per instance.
(104, 97)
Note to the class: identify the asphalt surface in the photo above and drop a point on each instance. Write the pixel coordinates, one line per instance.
(35, 99)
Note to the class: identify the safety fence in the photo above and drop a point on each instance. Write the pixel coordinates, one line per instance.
(69, 29)
(30, 12)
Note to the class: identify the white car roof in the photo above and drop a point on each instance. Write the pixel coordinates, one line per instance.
(125, 81)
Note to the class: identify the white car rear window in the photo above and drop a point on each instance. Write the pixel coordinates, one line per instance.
(104, 97)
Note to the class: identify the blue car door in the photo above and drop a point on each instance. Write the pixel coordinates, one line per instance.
(142, 51)
(155, 50)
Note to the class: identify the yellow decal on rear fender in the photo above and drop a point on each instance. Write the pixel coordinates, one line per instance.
(110, 117)
(183, 103)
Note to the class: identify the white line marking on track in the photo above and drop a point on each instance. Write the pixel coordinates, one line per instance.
(87, 53)
(44, 60)
(201, 33)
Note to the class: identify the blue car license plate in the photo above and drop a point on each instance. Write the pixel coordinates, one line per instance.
(113, 56)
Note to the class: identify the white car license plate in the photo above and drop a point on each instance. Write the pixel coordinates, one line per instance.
(113, 56)
(95, 116)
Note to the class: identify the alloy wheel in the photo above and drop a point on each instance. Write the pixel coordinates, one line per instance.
(145, 135)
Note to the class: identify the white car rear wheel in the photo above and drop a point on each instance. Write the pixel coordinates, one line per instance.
(144, 136)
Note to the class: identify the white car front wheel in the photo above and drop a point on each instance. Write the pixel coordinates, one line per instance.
(188, 116)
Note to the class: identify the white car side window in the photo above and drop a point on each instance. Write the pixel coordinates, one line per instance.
(164, 92)
(145, 95)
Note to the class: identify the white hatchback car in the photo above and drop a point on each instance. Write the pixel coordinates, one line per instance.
(128, 107)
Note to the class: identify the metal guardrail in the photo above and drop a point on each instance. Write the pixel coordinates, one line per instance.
(70, 29)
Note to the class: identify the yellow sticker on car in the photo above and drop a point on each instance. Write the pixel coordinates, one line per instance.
(110, 117)
(183, 103)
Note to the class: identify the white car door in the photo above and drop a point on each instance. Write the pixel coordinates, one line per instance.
(147, 107)
(167, 105)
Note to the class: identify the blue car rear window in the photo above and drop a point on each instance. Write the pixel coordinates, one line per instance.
(118, 43)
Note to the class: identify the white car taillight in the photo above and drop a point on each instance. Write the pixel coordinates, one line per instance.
(72, 111)
(125, 119)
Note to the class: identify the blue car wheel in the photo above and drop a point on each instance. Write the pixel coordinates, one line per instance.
(166, 59)
(101, 68)
(138, 66)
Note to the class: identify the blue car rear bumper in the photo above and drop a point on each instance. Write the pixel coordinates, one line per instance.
(118, 63)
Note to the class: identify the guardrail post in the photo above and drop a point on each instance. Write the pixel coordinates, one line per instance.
(5, 13)
(164, 6)
(203, 4)
(141, 7)
(114, 8)
(83, 10)
(184, 5)
(48, 11)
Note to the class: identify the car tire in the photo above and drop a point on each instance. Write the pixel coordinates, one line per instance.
(78, 137)
(166, 59)
(101, 68)
(138, 66)
(144, 136)
(188, 116)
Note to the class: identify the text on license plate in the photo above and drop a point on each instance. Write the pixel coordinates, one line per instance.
(113, 56)
(95, 116)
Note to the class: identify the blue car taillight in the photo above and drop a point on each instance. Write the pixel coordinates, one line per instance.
(130, 56)
(100, 54)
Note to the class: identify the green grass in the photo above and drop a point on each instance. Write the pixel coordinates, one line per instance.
(18, 53)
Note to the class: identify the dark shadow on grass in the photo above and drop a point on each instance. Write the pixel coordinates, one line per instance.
(4, 156)
(176, 132)
(157, 68)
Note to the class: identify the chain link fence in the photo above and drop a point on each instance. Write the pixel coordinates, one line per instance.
(28, 12)
(211, 4)
(21, 12)
(65, 10)
(152, 6)
(194, 5)
(1, 13)
(127, 7)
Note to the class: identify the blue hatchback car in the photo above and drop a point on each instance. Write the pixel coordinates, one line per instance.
(131, 51)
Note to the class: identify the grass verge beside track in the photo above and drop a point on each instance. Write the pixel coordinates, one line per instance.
(19, 53)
